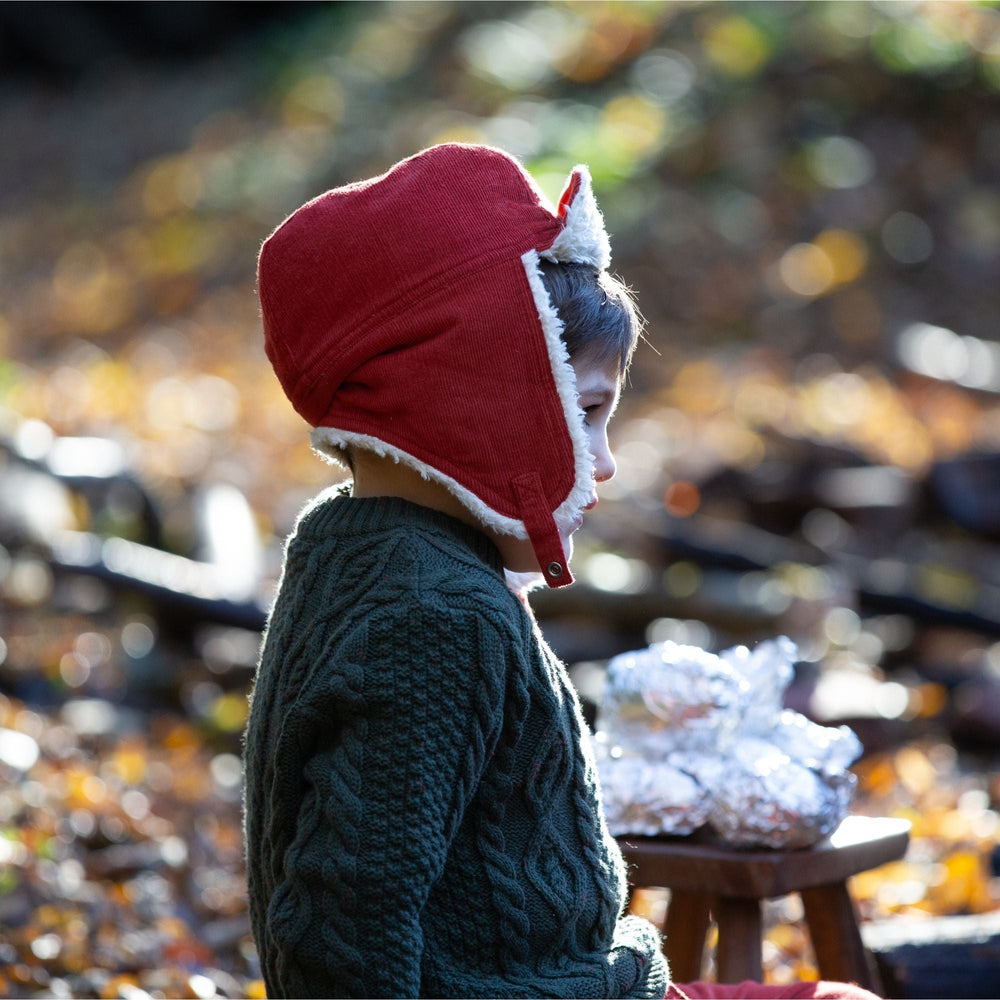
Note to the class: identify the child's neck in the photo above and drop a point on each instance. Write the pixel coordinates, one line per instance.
(375, 476)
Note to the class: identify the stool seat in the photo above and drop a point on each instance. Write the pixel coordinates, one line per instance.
(708, 878)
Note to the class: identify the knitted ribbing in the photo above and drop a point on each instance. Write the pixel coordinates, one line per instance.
(421, 813)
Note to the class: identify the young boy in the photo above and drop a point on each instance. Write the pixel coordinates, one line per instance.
(422, 813)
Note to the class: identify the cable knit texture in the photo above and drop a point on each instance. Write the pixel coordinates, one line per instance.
(422, 814)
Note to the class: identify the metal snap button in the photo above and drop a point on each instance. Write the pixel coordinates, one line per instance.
(554, 569)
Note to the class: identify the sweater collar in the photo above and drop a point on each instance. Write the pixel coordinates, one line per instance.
(336, 511)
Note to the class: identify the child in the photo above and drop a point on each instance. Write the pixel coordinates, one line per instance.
(422, 814)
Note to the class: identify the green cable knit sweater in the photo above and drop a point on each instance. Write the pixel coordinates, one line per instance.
(422, 816)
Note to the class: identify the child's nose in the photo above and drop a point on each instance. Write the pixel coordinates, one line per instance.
(604, 464)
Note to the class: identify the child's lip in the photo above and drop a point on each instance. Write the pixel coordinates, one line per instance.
(591, 505)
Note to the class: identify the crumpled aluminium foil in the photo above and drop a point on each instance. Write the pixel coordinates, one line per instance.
(687, 739)
(649, 800)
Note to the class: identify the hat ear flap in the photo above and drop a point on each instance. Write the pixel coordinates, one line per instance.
(583, 238)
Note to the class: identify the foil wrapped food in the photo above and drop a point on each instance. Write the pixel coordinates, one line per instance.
(688, 739)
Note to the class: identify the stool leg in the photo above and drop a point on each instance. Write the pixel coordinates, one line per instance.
(737, 956)
(836, 940)
(685, 929)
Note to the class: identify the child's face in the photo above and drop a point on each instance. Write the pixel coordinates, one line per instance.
(598, 387)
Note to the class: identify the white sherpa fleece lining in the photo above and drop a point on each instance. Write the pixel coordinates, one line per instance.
(565, 378)
(328, 441)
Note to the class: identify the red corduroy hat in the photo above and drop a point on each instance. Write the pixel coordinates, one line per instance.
(406, 314)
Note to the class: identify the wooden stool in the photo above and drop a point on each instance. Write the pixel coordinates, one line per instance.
(707, 877)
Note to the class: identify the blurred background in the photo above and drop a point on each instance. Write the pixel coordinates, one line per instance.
(804, 197)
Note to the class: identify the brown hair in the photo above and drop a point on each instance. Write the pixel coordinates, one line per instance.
(600, 318)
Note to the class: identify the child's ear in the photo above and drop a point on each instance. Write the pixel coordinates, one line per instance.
(583, 238)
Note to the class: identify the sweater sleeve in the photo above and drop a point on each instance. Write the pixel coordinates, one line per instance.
(392, 733)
